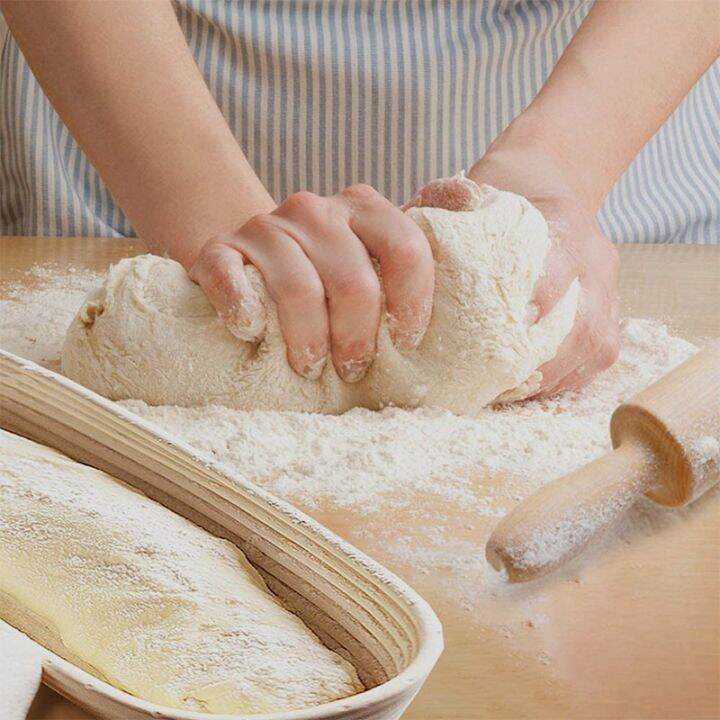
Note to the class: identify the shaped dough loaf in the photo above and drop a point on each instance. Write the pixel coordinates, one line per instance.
(144, 599)
(149, 333)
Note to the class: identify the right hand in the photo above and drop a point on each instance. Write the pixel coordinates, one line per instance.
(315, 255)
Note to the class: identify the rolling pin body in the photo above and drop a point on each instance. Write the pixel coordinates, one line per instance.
(666, 444)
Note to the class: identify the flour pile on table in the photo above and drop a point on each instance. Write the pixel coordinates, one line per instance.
(363, 457)
(431, 464)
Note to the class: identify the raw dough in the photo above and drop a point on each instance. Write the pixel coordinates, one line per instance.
(146, 600)
(149, 333)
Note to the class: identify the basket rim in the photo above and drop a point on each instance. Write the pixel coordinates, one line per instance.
(428, 626)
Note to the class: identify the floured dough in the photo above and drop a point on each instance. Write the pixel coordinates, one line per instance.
(149, 333)
(146, 600)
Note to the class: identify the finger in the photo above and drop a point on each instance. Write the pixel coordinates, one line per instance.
(559, 272)
(590, 347)
(351, 284)
(608, 349)
(406, 262)
(296, 288)
(569, 357)
(220, 272)
(584, 253)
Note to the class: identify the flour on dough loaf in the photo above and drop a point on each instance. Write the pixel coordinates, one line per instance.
(149, 333)
(146, 600)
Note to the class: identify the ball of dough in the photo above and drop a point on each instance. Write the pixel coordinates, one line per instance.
(149, 333)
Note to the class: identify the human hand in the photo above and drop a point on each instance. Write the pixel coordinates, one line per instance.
(579, 250)
(316, 257)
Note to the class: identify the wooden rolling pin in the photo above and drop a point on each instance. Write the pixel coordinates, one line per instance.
(666, 444)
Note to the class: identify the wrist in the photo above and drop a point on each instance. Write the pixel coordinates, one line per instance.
(531, 141)
(208, 208)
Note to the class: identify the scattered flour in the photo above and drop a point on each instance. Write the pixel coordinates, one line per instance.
(429, 463)
(706, 449)
(363, 457)
(705, 458)
(35, 314)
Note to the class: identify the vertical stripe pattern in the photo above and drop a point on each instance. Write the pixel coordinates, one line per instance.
(324, 93)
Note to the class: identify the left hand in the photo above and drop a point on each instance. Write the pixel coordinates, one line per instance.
(579, 250)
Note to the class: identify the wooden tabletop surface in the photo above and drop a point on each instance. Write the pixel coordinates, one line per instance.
(636, 635)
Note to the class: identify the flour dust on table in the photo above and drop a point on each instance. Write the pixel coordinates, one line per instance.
(35, 314)
(427, 463)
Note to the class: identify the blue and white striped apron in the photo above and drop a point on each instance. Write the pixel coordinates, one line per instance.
(322, 94)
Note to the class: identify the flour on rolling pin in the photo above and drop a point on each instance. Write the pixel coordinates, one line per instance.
(550, 542)
(665, 446)
(705, 457)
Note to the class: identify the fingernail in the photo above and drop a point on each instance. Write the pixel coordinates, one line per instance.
(353, 370)
(246, 319)
(415, 202)
(459, 194)
(532, 313)
(314, 369)
(407, 326)
(311, 363)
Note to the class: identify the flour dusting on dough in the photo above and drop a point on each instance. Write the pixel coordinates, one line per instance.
(150, 334)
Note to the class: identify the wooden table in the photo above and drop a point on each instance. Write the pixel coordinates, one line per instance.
(636, 635)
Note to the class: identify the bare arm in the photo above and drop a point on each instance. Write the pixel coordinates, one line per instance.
(121, 76)
(627, 68)
(625, 71)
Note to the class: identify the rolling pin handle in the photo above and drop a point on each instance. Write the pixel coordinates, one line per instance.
(562, 518)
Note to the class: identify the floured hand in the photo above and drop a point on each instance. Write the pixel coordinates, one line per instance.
(579, 250)
(316, 257)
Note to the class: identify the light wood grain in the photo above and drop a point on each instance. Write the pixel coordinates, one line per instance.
(655, 436)
(637, 636)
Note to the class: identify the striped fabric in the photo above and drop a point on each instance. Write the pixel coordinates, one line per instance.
(322, 94)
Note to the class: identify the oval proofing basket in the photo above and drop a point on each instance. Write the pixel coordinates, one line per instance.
(355, 606)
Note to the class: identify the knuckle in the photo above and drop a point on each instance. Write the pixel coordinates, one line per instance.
(302, 289)
(259, 225)
(210, 256)
(303, 203)
(361, 194)
(408, 254)
(212, 270)
(360, 287)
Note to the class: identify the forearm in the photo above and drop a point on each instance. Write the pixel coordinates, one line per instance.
(625, 71)
(123, 80)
